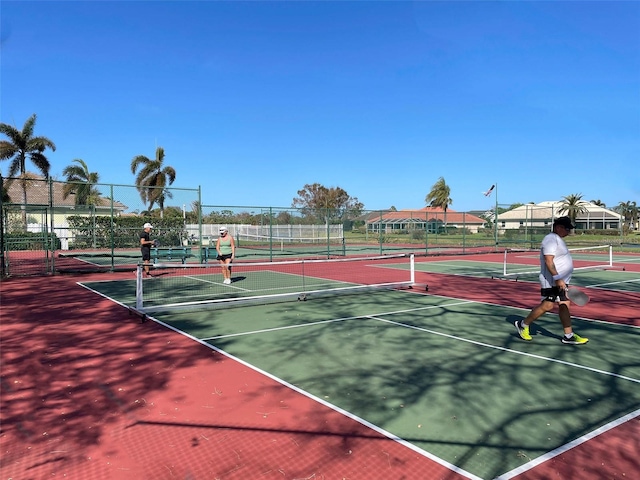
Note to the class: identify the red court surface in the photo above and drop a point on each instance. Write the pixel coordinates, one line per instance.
(89, 392)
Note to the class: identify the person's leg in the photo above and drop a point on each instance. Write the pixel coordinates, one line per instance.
(523, 326)
(569, 337)
(146, 261)
(544, 307)
(223, 267)
(565, 317)
(228, 268)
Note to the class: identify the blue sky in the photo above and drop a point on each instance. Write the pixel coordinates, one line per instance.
(253, 100)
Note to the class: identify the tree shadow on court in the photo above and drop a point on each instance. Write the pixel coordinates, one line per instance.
(74, 363)
(74, 372)
(482, 409)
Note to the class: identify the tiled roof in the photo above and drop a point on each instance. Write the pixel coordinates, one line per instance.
(428, 214)
(38, 194)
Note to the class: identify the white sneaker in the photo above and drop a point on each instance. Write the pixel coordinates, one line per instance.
(227, 281)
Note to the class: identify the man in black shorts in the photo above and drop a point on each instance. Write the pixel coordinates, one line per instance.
(556, 267)
(145, 247)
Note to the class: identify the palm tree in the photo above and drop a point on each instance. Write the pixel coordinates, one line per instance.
(573, 206)
(440, 196)
(599, 203)
(22, 144)
(630, 211)
(166, 193)
(81, 183)
(152, 178)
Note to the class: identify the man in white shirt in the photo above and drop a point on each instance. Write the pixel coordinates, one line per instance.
(556, 267)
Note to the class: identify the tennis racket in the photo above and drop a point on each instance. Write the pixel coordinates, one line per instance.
(156, 243)
(577, 296)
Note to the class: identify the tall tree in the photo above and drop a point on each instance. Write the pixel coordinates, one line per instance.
(23, 144)
(440, 196)
(573, 206)
(599, 203)
(334, 202)
(81, 182)
(195, 213)
(629, 211)
(153, 179)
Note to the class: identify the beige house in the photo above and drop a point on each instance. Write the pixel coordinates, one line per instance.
(542, 215)
(46, 206)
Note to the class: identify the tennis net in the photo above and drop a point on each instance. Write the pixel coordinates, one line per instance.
(293, 245)
(520, 263)
(201, 285)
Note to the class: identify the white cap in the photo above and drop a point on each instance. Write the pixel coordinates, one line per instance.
(223, 229)
(148, 225)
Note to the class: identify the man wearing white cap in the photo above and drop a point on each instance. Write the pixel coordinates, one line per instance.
(556, 267)
(145, 247)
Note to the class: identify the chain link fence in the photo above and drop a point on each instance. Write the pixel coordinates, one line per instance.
(47, 229)
(50, 226)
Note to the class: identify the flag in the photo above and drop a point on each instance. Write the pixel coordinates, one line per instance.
(488, 192)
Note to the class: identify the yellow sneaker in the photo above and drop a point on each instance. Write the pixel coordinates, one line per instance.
(523, 330)
(575, 340)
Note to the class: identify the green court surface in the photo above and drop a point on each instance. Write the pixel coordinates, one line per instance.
(448, 377)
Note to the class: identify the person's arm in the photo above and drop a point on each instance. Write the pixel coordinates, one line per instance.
(551, 266)
(218, 246)
(233, 248)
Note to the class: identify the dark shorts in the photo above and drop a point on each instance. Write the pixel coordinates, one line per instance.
(223, 258)
(146, 253)
(553, 294)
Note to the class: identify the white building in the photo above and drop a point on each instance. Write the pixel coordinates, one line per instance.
(542, 215)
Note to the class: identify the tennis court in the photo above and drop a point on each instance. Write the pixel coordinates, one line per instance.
(441, 372)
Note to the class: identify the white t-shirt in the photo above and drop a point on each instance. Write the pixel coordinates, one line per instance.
(554, 245)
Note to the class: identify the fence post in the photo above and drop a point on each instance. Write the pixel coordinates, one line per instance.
(49, 238)
(495, 220)
(2, 266)
(201, 246)
(113, 238)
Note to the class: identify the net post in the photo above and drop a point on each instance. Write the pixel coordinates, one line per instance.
(610, 256)
(504, 266)
(139, 291)
(412, 267)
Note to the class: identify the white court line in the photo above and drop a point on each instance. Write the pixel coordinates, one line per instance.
(320, 322)
(628, 260)
(212, 282)
(568, 446)
(598, 285)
